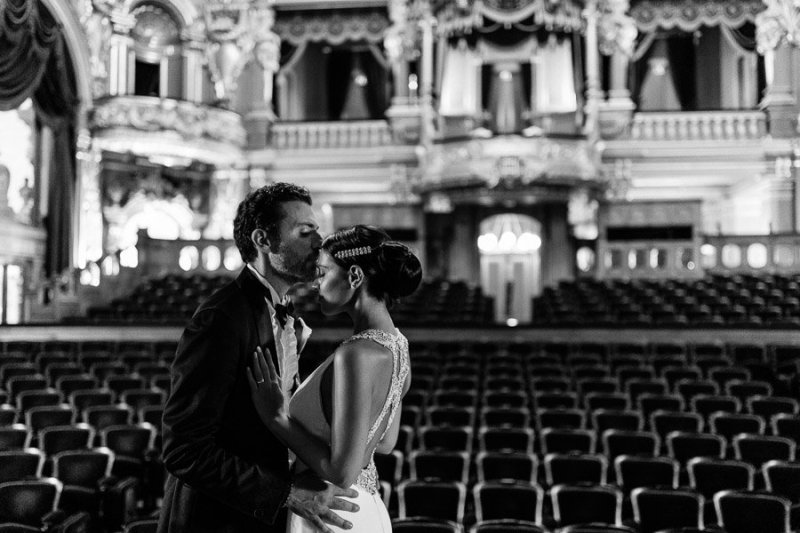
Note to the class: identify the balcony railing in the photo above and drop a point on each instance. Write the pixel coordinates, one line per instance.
(341, 134)
(698, 125)
(777, 253)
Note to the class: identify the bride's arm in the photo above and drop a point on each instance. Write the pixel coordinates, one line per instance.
(341, 462)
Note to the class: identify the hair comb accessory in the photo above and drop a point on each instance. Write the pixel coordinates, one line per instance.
(352, 252)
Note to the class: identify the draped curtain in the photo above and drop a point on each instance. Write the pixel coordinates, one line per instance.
(553, 83)
(460, 82)
(34, 64)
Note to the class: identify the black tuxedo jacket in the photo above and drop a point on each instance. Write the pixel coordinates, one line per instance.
(225, 471)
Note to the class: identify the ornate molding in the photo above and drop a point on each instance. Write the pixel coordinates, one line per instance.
(456, 17)
(616, 29)
(190, 121)
(779, 22)
(689, 15)
(359, 25)
(549, 167)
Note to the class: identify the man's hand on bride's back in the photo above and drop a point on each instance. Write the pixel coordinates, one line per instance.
(315, 500)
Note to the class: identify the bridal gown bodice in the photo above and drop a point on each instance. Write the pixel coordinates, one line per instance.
(305, 407)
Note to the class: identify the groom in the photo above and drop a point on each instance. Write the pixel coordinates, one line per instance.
(226, 471)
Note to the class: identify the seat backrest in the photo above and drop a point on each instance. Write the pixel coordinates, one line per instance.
(767, 406)
(758, 449)
(442, 500)
(683, 445)
(560, 418)
(554, 440)
(505, 525)
(149, 525)
(706, 404)
(85, 468)
(746, 512)
(664, 422)
(575, 468)
(586, 504)
(728, 425)
(618, 442)
(102, 416)
(130, 440)
(506, 439)
(783, 479)
(446, 438)
(626, 420)
(634, 472)
(660, 509)
(424, 525)
(27, 502)
(497, 466)
(785, 425)
(709, 475)
(61, 438)
(14, 437)
(439, 465)
(17, 465)
(520, 501)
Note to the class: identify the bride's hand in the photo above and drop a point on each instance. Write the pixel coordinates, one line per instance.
(265, 388)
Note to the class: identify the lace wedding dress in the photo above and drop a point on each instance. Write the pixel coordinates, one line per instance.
(306, 408)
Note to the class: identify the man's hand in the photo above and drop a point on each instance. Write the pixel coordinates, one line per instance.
(315, 500)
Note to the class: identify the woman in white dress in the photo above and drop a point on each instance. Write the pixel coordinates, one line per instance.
(346, 409)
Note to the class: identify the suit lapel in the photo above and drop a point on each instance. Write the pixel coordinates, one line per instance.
(256, 293)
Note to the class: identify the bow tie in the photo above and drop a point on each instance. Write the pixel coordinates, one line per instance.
(284, 311)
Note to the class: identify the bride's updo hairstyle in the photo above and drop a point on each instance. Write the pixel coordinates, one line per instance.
(390, 267)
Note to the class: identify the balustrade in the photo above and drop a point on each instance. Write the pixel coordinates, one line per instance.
(698, 125)
(342, 134)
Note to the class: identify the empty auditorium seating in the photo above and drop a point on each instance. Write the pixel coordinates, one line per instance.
(578, 427)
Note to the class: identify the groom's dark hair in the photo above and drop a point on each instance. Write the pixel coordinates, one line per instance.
(261, 209)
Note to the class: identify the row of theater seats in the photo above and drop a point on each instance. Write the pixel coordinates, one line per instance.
(716, 300)
(596, 422)
(173, 299)
(541, 415)
(80, 434)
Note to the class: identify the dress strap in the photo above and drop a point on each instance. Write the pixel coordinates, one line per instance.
(398, 345)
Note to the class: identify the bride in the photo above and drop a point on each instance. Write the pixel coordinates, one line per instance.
(346, 409)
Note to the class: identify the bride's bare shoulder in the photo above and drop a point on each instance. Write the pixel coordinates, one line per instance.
(362, 354)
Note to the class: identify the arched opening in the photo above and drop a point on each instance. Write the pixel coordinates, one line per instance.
(510, 264)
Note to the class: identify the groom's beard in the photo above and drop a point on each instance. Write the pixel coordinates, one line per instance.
(294, 267)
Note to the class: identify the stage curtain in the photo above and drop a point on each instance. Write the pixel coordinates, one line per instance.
(460, 83)
(56, 103)
(553, 78)
(28, 36)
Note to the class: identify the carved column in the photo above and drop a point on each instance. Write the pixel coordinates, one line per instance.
(776, 32)
(594, 94)
(781, 197)
(267, 52)
(121, 49)
(400, 42)
(193, 73)
(230, 40)
(617, 37)
(228, 188)
(426, 22)
(88, 227)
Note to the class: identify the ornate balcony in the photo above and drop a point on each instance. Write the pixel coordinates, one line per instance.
(165, 127)
(698, 126)
(511, 168)
(342, 134)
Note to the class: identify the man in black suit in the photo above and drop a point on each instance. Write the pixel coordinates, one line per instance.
(226, 471)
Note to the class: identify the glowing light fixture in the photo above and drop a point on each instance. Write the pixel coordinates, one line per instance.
(529, 242)
(129, 257)
(487, 242)
(508, 241)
